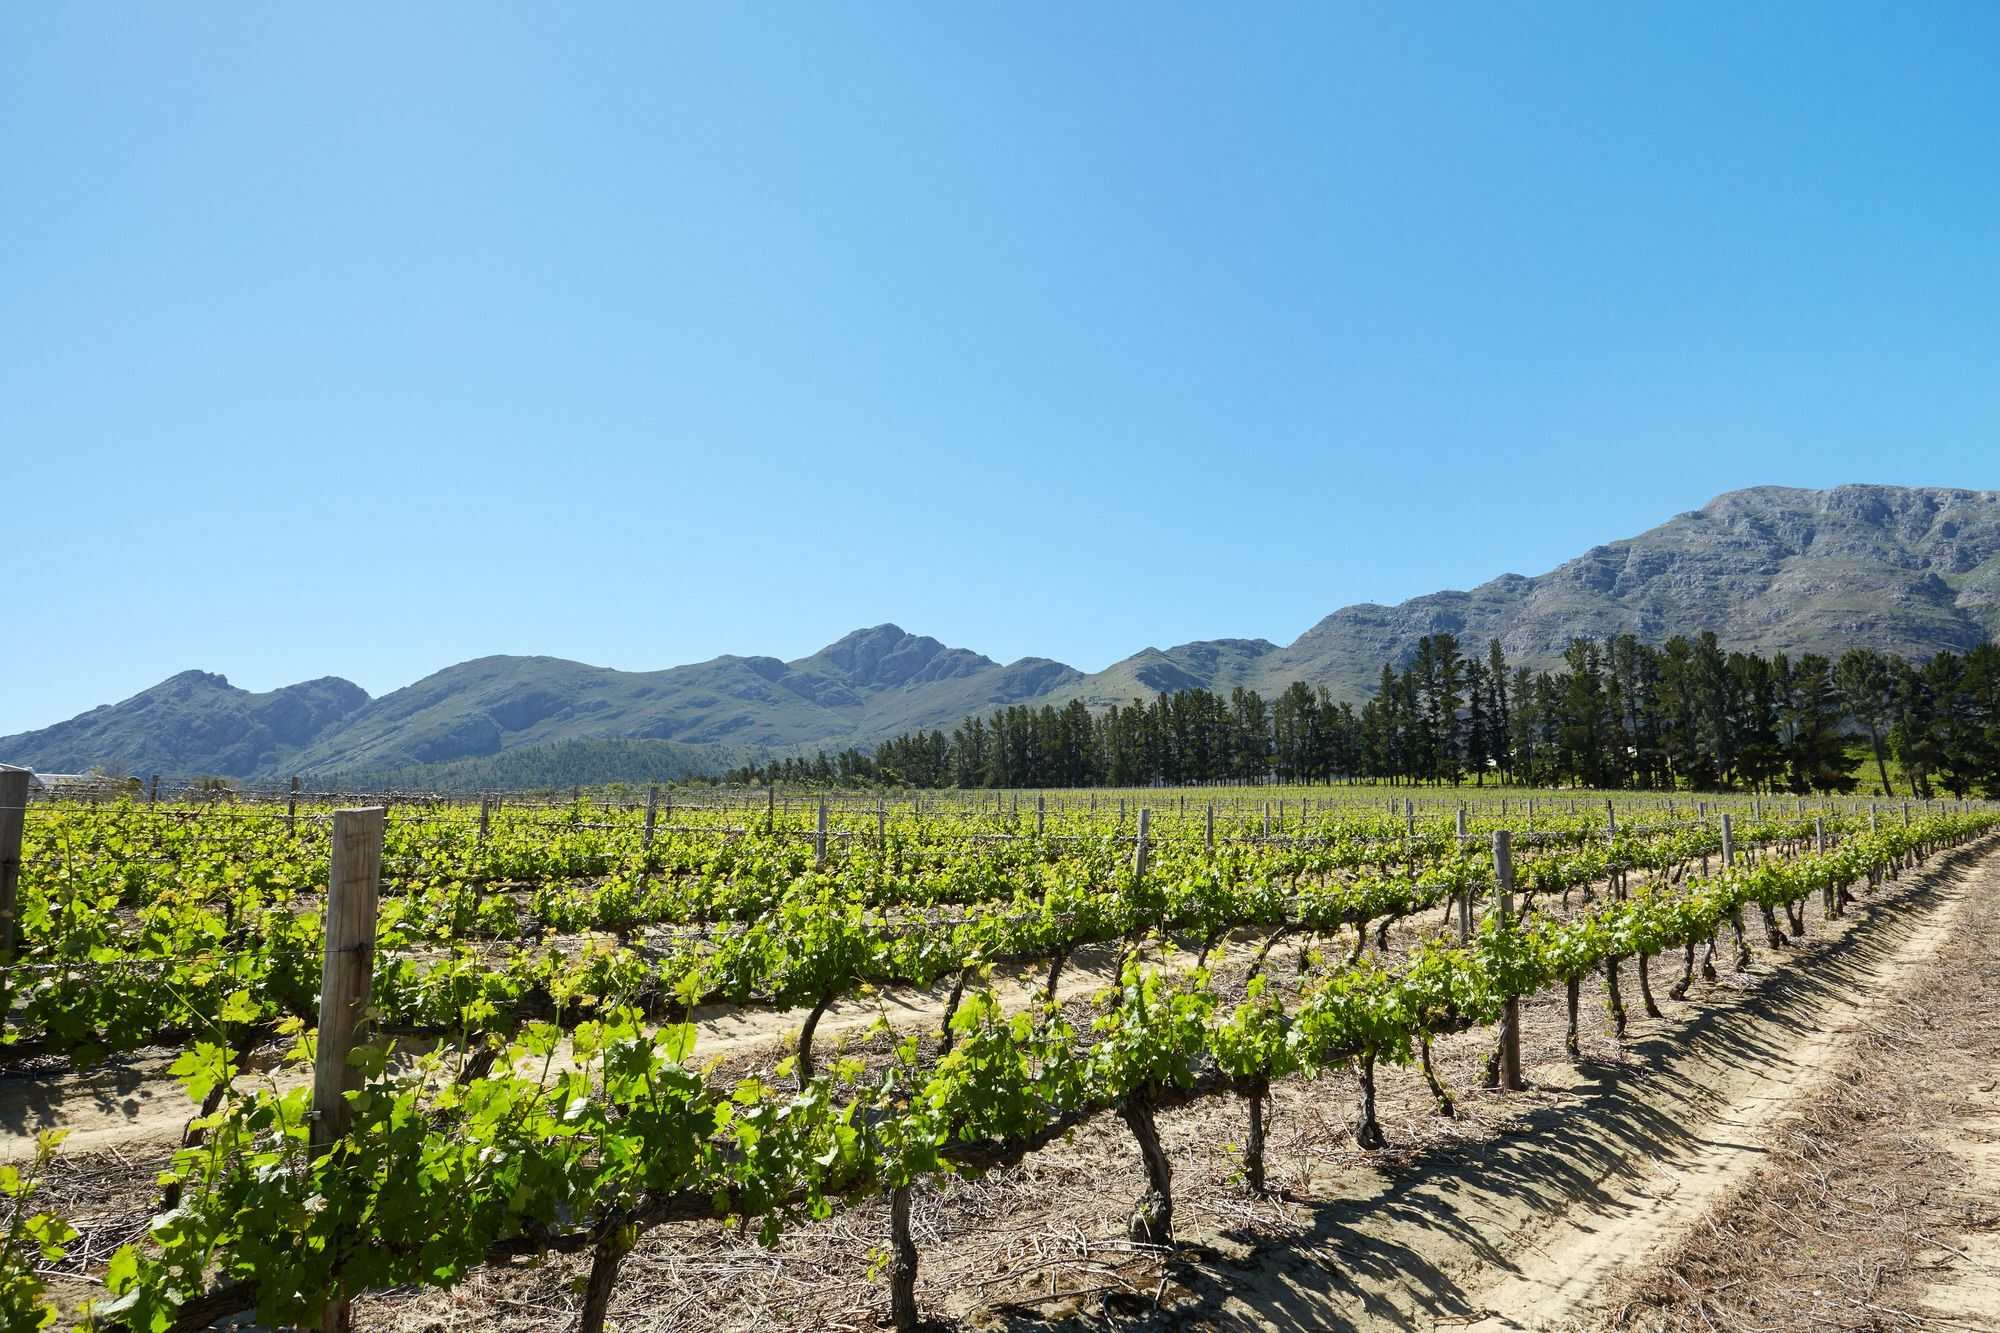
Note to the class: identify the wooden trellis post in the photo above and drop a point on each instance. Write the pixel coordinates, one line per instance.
(1464, 898)
(346, 977)
(13, 821)
(349, 967)
(1510, 1008)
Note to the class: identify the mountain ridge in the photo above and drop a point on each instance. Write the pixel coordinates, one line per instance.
(1913, 570)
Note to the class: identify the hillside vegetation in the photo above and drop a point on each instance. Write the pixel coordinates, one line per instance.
(1898, 570)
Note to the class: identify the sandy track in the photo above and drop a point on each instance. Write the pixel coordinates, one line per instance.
(1524, 1221)
(1970, 1291)
(1633, 1215)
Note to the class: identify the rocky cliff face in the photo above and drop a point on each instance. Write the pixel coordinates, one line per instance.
(1772, 569)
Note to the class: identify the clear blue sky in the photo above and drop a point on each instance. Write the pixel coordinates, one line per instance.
(361, 340)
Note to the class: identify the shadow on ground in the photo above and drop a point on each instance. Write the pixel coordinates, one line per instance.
(1410, 1246)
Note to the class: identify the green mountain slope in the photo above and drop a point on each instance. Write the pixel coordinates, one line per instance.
(1209, 664)
(191, 723)
(1905, 570)
(875, 682)
(556, 765)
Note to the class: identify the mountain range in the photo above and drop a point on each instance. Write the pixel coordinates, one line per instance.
(1901, 569)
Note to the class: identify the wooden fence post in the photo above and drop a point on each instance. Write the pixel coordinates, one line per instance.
(1510, 1008)
(13, 820)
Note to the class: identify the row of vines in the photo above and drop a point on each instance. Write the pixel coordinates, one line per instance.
(532, 1082)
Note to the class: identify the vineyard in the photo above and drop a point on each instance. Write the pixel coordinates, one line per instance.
(418, 1042)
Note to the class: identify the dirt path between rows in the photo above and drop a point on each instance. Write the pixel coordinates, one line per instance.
(1605, 1164)
(1969, 1290)
(1878, 1203)
(1562, 1272)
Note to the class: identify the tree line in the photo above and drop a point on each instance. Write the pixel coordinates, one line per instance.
(1616, 713)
